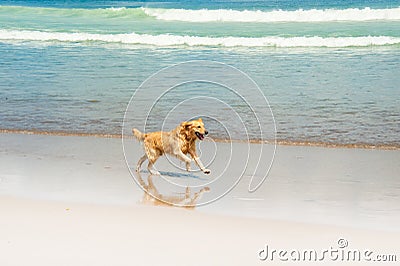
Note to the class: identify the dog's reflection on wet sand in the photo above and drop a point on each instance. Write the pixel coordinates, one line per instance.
(153, 197)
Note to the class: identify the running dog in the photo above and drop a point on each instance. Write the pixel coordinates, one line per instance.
(177, 142)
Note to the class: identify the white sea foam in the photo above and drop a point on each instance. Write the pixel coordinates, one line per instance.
(176, 40)
(116, 9)
(313, 15)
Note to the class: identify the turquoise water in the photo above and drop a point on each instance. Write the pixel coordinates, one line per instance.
(330, 70)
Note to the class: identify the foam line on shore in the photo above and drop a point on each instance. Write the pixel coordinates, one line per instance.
(253, 141)
(165, 40)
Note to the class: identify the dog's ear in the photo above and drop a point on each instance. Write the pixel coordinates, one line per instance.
(186, 125)
(200, 120)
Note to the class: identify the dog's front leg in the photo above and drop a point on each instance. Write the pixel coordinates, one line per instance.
(179, 154)
(197, 160)
(200, 165)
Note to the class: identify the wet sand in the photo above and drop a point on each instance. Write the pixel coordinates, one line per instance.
(71, 201)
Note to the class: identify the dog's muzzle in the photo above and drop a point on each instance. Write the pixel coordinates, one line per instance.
(201, 136)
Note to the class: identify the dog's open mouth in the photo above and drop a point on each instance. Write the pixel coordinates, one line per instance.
(199, 135)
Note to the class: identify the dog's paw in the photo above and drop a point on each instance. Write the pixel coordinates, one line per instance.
(152, 172)
(207, 171)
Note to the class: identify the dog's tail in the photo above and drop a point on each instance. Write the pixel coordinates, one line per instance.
(138, 135)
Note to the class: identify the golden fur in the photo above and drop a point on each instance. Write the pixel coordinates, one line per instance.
(177, 142)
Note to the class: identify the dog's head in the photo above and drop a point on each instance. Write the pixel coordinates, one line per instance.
(194, 129)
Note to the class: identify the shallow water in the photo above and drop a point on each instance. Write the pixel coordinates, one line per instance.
(330, 75)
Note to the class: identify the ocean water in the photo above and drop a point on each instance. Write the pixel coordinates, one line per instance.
(329, 69)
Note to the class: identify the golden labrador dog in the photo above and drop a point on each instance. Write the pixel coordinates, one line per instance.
(177, 142)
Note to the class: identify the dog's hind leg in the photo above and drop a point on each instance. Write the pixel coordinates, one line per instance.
(188, 166)
(150, 166)
(140, 162)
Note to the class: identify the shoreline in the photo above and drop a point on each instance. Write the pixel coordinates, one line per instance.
(300, 143)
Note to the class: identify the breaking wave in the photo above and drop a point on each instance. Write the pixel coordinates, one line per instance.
(177, 40)
(210, 15)
(313, 15)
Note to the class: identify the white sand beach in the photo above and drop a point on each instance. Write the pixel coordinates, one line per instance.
(69, 200)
